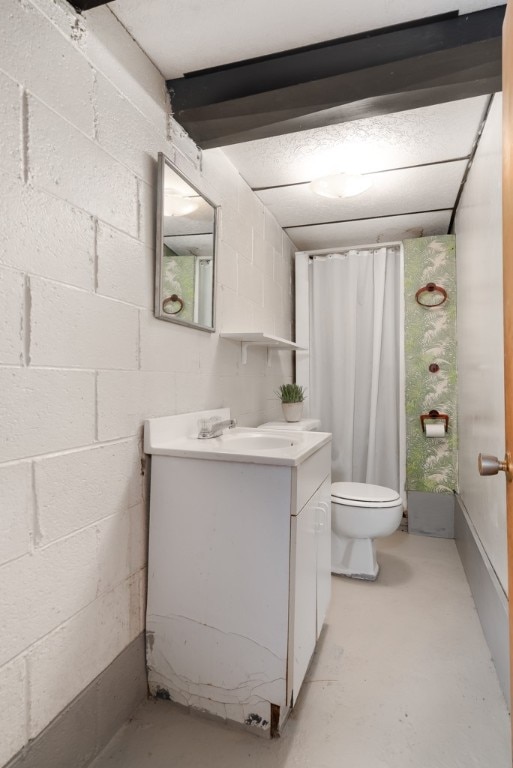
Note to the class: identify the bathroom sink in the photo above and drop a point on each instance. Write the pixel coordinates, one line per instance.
(243, 441)
(178, 436)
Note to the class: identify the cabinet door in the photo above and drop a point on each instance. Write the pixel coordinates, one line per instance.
(303, 627)
(323, 552)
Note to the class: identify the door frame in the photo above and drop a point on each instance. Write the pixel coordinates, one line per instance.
(507, 260)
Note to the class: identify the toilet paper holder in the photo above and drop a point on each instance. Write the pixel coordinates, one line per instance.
(434, 415)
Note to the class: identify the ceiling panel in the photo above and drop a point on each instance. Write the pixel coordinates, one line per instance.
(427, 135)
(370, 231)
(182, 36)
(392, 193)
(186, 35)
(190, 245)
(199, 221)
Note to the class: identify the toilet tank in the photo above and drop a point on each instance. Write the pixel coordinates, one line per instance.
(304, 425)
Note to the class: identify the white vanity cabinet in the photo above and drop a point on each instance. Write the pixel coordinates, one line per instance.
(310, 535)
(238, 577)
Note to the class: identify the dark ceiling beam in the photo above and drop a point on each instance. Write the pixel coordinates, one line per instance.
(297, 65)
(86, 5)
(430, 62)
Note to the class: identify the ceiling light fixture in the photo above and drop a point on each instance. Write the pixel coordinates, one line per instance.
(341, 185)
(177, 205)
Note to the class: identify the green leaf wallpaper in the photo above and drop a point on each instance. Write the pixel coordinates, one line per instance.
(430, 337)
(178, 277)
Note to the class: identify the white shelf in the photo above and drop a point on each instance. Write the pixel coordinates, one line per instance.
(257, 339)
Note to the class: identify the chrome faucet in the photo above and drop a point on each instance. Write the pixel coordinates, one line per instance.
(213, 427)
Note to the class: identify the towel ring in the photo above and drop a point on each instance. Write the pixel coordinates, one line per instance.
(431, 288)
(172, 300)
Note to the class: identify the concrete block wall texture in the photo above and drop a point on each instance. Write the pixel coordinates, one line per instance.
(82, 359)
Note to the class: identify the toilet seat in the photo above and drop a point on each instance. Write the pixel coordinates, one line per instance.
(364, 495)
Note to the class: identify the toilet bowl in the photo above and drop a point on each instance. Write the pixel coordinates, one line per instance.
(361, 513)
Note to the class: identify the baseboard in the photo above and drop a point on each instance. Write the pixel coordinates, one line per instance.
(489, 597)
(78, 733)
(431, 514)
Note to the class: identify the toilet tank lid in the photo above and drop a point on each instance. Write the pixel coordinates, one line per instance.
(304, 425)
(364, 492)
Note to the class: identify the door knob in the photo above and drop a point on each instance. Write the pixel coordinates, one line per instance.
(491, 465)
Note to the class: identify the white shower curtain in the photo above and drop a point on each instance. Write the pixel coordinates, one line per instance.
(355, 312)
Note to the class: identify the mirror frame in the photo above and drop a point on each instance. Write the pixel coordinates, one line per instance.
(164, 161)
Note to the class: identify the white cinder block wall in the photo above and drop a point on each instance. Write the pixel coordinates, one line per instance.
(478, 229)
(82, 360)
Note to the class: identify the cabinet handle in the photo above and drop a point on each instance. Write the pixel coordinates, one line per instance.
(322, 517)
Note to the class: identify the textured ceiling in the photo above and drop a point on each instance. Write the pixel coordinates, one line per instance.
(392, 192)
(427, 135)
(185, 35)
(190, 245)
(426, 150)
(381, 230)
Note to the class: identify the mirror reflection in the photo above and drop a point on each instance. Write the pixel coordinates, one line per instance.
(186, 232)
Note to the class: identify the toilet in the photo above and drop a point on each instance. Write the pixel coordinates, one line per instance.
(361, 513)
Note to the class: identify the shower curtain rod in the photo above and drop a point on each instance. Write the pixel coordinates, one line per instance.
(345, 248)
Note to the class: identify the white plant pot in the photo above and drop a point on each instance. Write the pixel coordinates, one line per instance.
(292, 411)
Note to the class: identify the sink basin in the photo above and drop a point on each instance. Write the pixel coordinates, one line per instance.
(252, 442)
(178, 436)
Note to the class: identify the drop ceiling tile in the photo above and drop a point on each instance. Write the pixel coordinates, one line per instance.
(417, 136)
(393, 193)
(371, 231)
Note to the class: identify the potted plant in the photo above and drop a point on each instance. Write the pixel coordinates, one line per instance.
(291, 396)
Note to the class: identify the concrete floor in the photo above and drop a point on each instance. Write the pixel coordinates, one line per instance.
(402, 678)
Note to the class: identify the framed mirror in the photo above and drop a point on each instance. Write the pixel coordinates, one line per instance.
(186, 246)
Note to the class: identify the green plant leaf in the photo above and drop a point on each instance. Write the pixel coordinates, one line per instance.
(291, 393)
